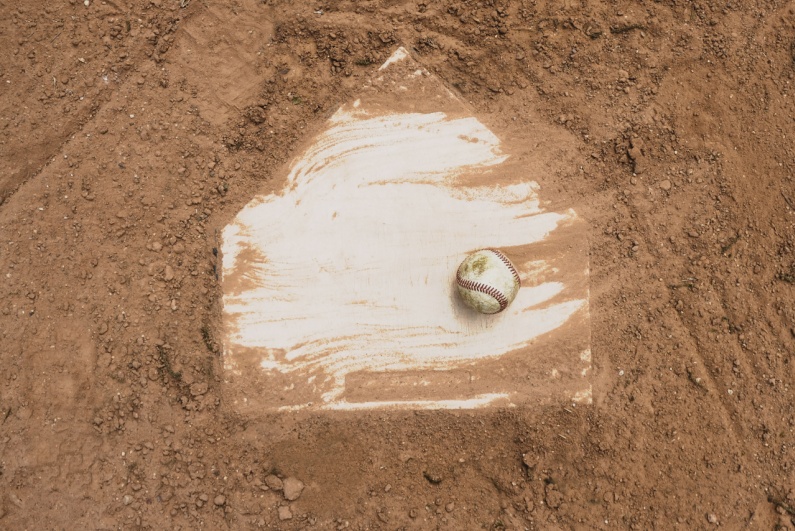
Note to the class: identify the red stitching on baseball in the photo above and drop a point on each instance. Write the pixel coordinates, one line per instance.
(508, 264)
(483, 288)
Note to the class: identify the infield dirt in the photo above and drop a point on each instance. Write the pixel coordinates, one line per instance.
(132, 132)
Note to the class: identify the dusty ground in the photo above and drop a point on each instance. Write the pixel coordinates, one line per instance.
(132, 131)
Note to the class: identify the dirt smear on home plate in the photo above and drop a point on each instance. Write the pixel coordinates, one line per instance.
(132, 132)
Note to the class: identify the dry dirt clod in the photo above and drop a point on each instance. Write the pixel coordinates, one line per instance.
(292, 488)
(273, 482)
(433, 476)
(219, 500)
(553, 497)
(198, 389)
(637, 155)
(285, 513)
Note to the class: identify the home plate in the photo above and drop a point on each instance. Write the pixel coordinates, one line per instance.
(339, 290)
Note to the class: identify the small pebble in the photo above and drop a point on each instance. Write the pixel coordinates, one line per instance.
(712, 519)
(219, 500)
(665, 185)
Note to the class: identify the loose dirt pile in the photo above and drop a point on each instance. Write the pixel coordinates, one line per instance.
(131, 132)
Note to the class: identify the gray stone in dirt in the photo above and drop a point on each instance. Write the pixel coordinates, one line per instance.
(711, 518)
(274, 482)
(127, 499)
(292, 488)
(219, 500)
(285, 513)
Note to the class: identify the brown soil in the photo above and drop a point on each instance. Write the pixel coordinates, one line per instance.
(131, 131)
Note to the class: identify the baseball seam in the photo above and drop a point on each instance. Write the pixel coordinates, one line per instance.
(508, 264)
(483, 288)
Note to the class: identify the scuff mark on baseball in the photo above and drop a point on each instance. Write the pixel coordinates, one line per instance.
(487, 281)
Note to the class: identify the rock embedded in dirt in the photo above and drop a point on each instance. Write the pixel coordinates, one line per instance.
(293, 488)
(665, 185)
(219, 500)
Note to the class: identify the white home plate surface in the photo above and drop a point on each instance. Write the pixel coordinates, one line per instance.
(339, 290)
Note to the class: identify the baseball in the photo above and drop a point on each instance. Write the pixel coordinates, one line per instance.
(487, 281)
